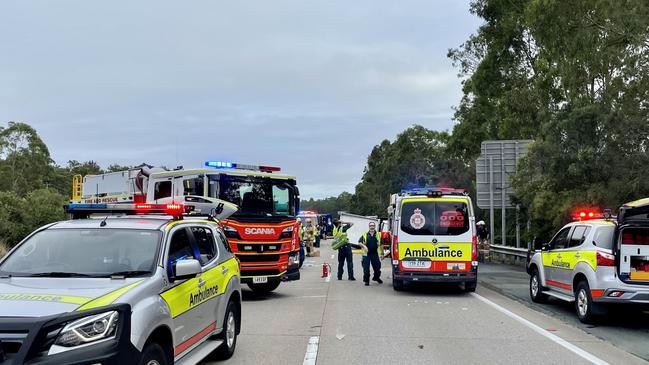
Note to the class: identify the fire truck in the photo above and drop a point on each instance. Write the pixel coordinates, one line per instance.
(262, 233)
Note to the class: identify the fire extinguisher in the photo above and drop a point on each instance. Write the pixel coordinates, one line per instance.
(326, 270)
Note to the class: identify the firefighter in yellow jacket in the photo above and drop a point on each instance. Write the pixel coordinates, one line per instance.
(370, 242)
(308, 233)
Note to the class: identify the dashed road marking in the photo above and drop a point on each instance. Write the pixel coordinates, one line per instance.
(311, 351)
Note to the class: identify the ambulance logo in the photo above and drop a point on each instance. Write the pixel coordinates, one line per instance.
(417, 220)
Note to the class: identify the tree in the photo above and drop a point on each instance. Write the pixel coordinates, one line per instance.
(24, 159)
(419, 157)
(574, 77)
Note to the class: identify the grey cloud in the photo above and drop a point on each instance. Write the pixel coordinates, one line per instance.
(310, 86)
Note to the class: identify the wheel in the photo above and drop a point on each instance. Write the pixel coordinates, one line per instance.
(470, 286)
(397, 285)
(264, 288)
(229, 333)
(153, 354)
(584, 305)
(535, 288)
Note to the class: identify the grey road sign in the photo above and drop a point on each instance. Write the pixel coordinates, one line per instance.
(494, 169)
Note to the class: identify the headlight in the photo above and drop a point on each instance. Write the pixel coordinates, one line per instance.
(287, 232)
(230, 232)
(89, 329)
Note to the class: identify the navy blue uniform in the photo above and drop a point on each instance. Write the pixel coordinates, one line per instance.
(371, 258)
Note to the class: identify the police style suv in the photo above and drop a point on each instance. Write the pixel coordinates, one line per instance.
(595, 262)
(123, 289)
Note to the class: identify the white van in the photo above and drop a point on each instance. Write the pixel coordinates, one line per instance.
(433, 237)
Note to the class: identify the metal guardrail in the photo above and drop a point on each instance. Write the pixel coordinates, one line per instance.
(506, 250)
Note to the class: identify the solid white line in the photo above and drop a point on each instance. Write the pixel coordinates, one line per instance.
(311, 351)
(558, 340)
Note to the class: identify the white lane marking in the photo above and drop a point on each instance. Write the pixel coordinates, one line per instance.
(558, 340)
(312, 296)
(311, 351)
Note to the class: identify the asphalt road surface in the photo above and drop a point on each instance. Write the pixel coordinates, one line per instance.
(343, 322)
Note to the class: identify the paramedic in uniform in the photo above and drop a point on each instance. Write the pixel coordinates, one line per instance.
(370, 242)
(345, 252)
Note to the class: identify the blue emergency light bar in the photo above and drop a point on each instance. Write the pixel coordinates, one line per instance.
(127, 208)
(433, 191)
(221, 164)
(232, 165)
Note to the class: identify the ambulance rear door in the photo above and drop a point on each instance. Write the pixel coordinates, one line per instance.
(435, 234)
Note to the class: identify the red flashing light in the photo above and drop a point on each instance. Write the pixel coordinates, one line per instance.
(171, 209)
(270, 168)
(582, 214)
(395, 247)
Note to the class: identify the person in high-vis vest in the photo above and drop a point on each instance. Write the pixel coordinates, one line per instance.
(308, 233)
(370, 242)
(345, 252)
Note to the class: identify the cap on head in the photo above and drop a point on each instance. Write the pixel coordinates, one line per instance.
(309, 220)
(481, 223)
(372, 225)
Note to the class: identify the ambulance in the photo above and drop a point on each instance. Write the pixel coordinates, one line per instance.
(433, 237)
(596, 261)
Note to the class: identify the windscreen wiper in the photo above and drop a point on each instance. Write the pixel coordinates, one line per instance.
(126, 274)
(60, 274)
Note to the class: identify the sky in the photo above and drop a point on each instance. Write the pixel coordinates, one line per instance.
(311, 86)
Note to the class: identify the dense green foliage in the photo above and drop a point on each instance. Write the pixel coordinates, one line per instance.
(33, 189)
(571, 75)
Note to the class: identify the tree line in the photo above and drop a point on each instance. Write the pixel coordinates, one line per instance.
(571, 75)
(33, 188)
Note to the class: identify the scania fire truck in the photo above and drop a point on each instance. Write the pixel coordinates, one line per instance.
(263, 233)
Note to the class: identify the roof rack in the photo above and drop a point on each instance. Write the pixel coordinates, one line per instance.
(434, 192)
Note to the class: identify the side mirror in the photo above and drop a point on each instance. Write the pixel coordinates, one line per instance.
(187, 269)
(545, 247)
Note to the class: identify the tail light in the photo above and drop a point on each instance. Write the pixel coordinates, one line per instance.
(605, 259)
(474, 249)
(395, 248)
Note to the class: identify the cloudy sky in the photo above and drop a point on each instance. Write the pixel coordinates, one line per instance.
(310, 86)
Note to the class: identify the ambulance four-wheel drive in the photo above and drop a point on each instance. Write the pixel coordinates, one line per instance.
(596, 263)
(123, 289)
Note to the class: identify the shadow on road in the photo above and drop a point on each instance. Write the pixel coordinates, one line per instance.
(434, 289)
(251, 296)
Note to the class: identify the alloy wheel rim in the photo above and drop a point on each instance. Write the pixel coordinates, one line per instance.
(230, 331)
(582, 302)
(535, 285)
(153, 362)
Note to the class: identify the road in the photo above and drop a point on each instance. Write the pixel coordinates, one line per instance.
(347, 322)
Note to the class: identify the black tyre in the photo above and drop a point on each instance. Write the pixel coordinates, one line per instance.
(264, 288)
(153, 354)
(470, 286)
(584, 306)
(536, 292)
(229, 333)
(397, 285)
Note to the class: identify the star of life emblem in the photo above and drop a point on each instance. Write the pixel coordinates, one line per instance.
(417, 220)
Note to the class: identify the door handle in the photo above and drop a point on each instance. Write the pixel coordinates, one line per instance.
(201, 282)
(577, 255)
(559, 256)
(224, 270)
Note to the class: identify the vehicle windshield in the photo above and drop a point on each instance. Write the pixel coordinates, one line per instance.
(258, 196)
(85, 252)
(434, 218)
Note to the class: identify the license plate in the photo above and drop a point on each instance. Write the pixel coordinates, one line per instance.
(261, 280)
(416, 264)
(461, 266)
